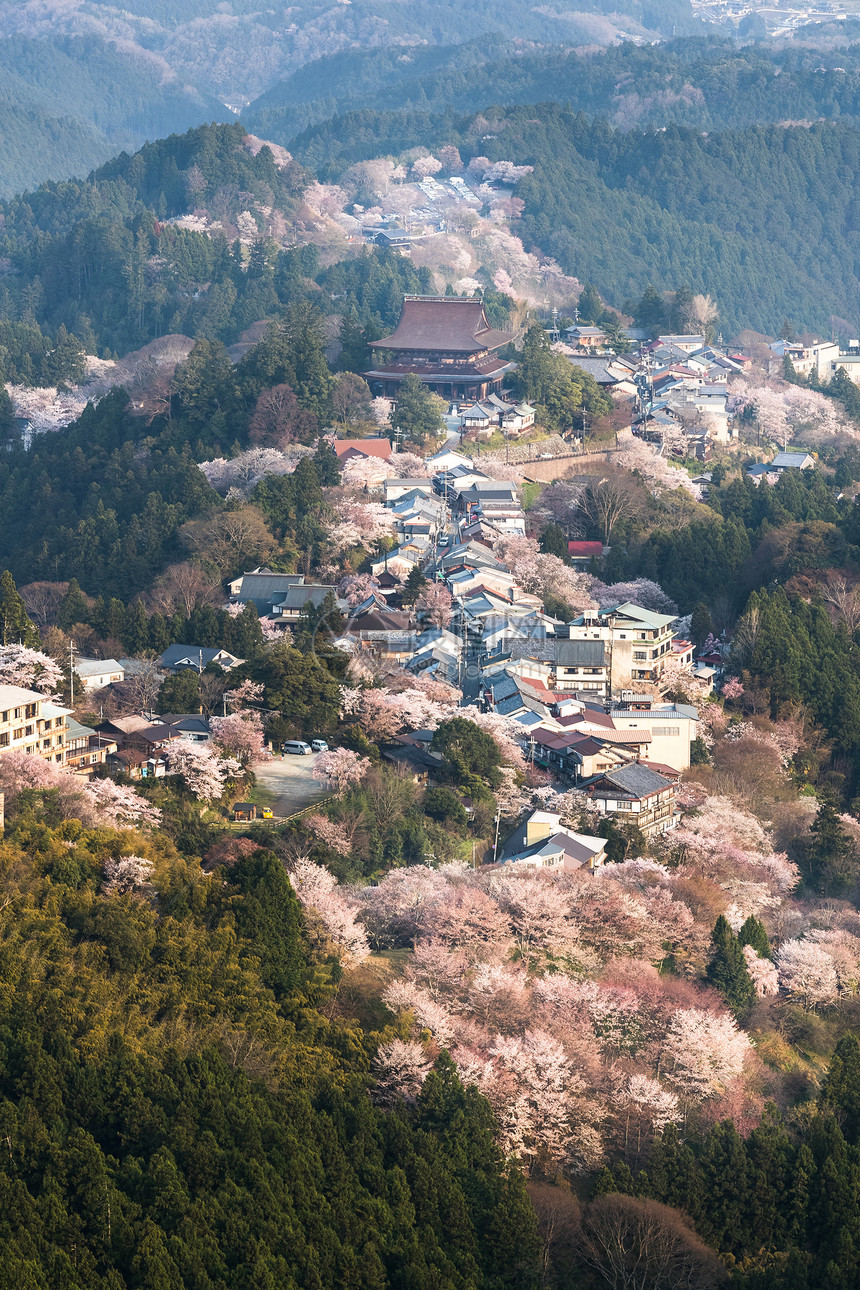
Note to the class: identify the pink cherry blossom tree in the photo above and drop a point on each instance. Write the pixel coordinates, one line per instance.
(355, 588)
(408, 996)
(434, 604)
(331, 832)
(646, 1107)
(763, 973)
(539, 917)
(245, 693)
(128, 875)
(239, 737)
(545, 575)
(120, 805)
(703, 1052)
(94, 802)
(340, 769)
(402, 905)
(202, 770)
(537, 1095)
(30, 669)
(641, 591)
(425, 166)
(646, 460)
(807, 972)
(318, 891)
(400, 1069)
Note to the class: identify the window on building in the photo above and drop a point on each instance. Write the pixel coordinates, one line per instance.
(4, 739)
(31, 710)
(59, 757)
(640, 655)
(19, 733)
(625, 806)
(669, 731)
(28, 732)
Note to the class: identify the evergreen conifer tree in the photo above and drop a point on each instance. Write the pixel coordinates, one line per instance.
(831, 853)
(15, 625)
(753, 934)
(841, 1091)
(727, 970)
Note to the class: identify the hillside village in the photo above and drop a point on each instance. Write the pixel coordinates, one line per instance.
(430, 679)
(459, 596)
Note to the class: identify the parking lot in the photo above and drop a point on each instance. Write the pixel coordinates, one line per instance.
(290, 779)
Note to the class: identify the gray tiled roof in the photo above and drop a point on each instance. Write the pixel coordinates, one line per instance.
(298, 597)
(580, 653)
(194, 654)
(263, 587)
(637, 780)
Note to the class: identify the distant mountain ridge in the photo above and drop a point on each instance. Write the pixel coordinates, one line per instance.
(708, 83)
(93, 78)
(70, 103)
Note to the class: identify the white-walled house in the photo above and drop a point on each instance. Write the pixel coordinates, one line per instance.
(542, 842)
(96, 673)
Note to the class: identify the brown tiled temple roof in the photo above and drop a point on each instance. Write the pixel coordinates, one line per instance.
(443, 324)
(486, 367)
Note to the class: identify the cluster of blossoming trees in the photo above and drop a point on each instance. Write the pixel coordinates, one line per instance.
(95, 802)
(502, 975)
(789, 413)
(543, 986)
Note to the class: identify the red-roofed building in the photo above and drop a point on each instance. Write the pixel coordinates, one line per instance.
(682, 652)
(348, 448)
(583, 552)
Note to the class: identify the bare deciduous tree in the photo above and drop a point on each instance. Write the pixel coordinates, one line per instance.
(559, 1218)
(43, 600)
(183, 587)
(230, 539)
(140, 688)
(212, 689)
(746, 635)
(842, 597)
(278, 419)
(350, 398)
(701, 312)
(641, 1245)
(614, 497)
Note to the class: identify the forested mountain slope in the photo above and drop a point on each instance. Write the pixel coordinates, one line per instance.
(178, 1113)
(707, 83)
(238, 50)
(111, 266)
(67, 104)
(765, 218)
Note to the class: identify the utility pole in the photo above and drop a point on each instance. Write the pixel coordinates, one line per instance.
(496, 842)
(72, 671)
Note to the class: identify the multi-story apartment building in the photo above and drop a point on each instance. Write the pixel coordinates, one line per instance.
(638, 644)
(32, 723)
(86, 748)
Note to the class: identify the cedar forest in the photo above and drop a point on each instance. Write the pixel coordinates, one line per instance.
(335, 1050)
